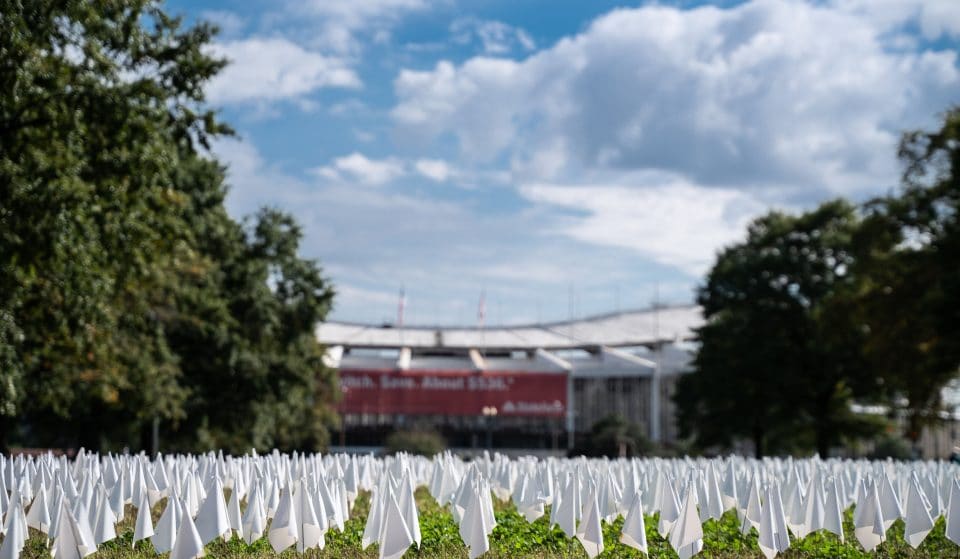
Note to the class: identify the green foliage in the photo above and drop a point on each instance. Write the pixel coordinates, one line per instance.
(910, 303)
(890, 446)
(422, 442)
(780, 355)
(612, 436)
(836, 304)
(127, 294)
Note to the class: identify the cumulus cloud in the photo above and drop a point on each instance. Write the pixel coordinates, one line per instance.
(777, 95)
(635, 148)
(229, 23)
(669, 220)
(361, 168)
(370, 240)
(434, 169)
(934, 18)
(264, 70)
(495, 37)
(339, 22)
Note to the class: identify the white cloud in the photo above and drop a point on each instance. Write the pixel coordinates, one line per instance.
(477, 103)
(772, 94)
(364, 296)
(339, 22)
(434, 169)
(371, 240)
(496, 37)
(359, 167)
(669, 220)
(230, 23)
(934, 18)
(264, 70)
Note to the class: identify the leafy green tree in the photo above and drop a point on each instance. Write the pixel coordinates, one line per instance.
(910, 299)
(779, 360)
(127, 294)
(97, 102)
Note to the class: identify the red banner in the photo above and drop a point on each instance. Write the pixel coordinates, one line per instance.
(453, 393)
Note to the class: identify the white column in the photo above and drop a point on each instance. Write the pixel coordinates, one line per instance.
(655, 398)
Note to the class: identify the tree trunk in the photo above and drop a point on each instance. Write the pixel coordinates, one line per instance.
(823, 425)
(6, 423)
(759, 436)
(823, 443)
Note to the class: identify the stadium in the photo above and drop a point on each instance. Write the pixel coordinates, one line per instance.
(539, 386)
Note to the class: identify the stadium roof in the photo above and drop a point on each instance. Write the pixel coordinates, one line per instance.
(621, 329)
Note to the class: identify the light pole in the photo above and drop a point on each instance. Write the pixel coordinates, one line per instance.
(489, 412)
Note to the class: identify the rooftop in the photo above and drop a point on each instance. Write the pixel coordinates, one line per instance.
(643, 327)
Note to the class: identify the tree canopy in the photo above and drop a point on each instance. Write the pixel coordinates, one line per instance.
(128, 295)
(839, 305)
(910, 298)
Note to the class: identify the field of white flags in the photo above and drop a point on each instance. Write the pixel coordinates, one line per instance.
(362, 506)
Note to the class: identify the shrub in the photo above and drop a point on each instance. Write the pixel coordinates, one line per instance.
(614, 435)
(426, 443)
(891, 446)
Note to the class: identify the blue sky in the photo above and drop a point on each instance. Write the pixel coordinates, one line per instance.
(567, 158)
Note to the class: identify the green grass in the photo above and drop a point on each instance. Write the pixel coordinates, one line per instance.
(515, 537)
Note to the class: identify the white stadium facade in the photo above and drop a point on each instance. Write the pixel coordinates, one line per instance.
(535, 386)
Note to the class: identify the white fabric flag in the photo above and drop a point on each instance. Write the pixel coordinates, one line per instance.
(686, 536)
(715, 503)
(371, 531)
(814, 508)
(165, 535)
(889, 502)
(408, 506)
(918, 519)
(795, 510)
(212, 521)
(70, 542)
(634, 532)
(474, 526)
(233, 512)
(104, 529)
(565, 515)
(833, 512)
(669, 509)
(144, 524)
(118, 497)
(729, 488)
(311, 532)
(589, 531)
(255, 518)
(189, 545)
(335, 514)
(284, 530)
(868, 518)
(394, 537)
(753, 513)
(16, 532)
(773, 529)
(38, 517)
(528, 499)
(953, 513)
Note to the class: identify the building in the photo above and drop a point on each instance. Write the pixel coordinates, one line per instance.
(533, 386)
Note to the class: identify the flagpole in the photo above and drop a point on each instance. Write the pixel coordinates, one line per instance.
(400, 308)
(655, 384)
(481, 319)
